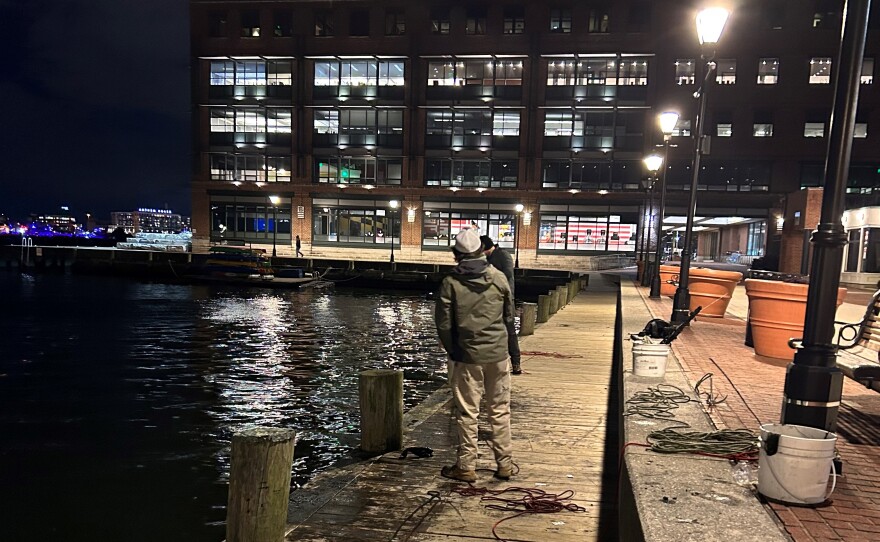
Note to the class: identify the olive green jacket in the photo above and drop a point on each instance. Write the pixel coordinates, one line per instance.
(473, 307)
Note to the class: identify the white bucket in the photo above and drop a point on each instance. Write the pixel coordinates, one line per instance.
(650, 359)
(795, 462)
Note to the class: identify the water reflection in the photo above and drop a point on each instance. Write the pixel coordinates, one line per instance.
(122, 397)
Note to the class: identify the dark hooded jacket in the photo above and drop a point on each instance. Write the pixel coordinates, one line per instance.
(473, 307)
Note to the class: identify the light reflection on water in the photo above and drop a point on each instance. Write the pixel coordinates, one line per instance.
(133, 391)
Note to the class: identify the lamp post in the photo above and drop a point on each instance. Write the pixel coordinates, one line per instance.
(653, 163)
(667, 121)
(710, 24)
(519, 209)
(813, 383)
(275, 200)
(393, 204)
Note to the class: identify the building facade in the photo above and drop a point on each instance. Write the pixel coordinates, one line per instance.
(149, 221)
(311, 117)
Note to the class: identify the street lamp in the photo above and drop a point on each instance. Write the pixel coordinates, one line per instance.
(274, 200)
(710, 24)
(653, 163)
(394, 204)
(519, 209)
(667, 121)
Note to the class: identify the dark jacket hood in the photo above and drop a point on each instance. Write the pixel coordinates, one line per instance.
(473, 273)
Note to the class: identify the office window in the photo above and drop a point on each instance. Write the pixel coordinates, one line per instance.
(508, 73)
(560, 73)
(326, 74)
(632, 72)
(505, 123)
(820, 70)
(222, 120)
(278, 120)
(250, 23)
(514, 20)
(475, 24)
(560, 21)
(867, 71)
(560, 123)
(685, 71)
(440, 21)
(326, 121)
(222, 72)
(359, 23)
(217, 23)
(814, 129)
(323, 24)
(682, 128)
(391, 73)
(861, 130)
(282, 26)
(726, 71)
(599, 21)
(395, 22)
(441, 73)
(358, 73)
(762, 129)
(724, 129)
(768, 71)
(825, 14)
(389, 121)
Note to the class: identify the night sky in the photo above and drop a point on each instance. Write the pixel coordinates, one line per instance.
(96, 106)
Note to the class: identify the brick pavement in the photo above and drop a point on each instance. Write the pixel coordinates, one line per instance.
(754, 396)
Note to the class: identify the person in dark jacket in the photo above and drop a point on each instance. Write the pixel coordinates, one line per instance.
(299, 253)
(474, 306)
(501, 260)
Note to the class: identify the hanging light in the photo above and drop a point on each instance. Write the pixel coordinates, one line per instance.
(710, 24)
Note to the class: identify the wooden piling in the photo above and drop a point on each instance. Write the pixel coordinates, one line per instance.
(572, 290)
(381, 402)
(543, 308)
(554, 301)
(527, 320)
(563, 295)
(259, 485)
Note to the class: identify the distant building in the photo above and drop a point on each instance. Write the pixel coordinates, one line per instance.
(149, 221)
(59, 223)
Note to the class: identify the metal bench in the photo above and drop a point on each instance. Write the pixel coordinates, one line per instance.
(861, 364)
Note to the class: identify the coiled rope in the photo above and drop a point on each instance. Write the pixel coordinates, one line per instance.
(659, 402)
(738, 444)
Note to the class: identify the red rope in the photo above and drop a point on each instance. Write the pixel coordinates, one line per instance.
(551, 355)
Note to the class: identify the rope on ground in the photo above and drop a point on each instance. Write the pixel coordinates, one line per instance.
(739, 444)
(551, 355)
(659, 402)
(524, 501)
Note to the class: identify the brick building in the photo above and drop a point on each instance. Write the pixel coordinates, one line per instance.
(462, 110)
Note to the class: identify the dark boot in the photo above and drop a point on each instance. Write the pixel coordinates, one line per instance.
(515, 367)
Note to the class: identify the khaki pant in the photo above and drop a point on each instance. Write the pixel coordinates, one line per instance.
(468, 382)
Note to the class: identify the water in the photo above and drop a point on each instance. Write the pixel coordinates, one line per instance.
(118, 399)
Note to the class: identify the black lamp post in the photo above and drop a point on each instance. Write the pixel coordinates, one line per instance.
(710, 24)
(667, 121)
(813, 383)
(653, 163)
(519, 209)
(394, 204)
(275, 200)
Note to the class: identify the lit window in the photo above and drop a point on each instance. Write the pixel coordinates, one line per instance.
(820, 70)
(685, 69)
(440, 21)
(682, 129)
(514, 20)
(560, 21)
(867, 71)
(814, 129)
(475, 24)
(762, 130)
(724, 129)
(323, 24)
(725, 73)
(861, 130)
(505, 123)
(768, 71)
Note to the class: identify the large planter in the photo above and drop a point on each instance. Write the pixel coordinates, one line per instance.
(776, 314)
(711, 289)
(668, 273)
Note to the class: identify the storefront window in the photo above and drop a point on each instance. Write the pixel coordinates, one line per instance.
(345, 225)
(249, 219)
(586, 233)
(440, 227)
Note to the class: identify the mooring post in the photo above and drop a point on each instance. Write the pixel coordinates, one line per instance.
(381, 401)
(563, 295)
(527, 320)
(259, 485)
(554, 301)
(543, 308)
(572, 290)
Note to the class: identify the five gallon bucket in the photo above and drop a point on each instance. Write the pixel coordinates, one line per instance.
(650, 359)
(795, 463)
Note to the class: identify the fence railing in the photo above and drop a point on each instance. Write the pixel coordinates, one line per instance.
(611, 261)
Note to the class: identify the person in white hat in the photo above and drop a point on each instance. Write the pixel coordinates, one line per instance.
(474, 307)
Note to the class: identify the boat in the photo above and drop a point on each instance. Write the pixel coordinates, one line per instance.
(251, 267)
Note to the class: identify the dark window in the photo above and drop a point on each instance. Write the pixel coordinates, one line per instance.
(773, 13)
(639, 19)
(250, 24)
(440, 21)
(600, 19)
(323, 24)
(825, 14)
(395, 22)
(560, 21)
(281, 24)
(359, 23)
(217, 21)
(514, 20)
(476, 22)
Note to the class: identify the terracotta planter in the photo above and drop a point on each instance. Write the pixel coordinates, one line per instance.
(668, 273)
(712, 289)
(776, 314)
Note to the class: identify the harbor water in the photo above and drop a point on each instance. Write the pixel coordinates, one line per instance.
(118, 399)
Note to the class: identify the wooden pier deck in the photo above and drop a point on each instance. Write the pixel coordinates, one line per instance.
(562, 441)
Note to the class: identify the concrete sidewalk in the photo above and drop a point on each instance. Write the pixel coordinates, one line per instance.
(754, 396)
